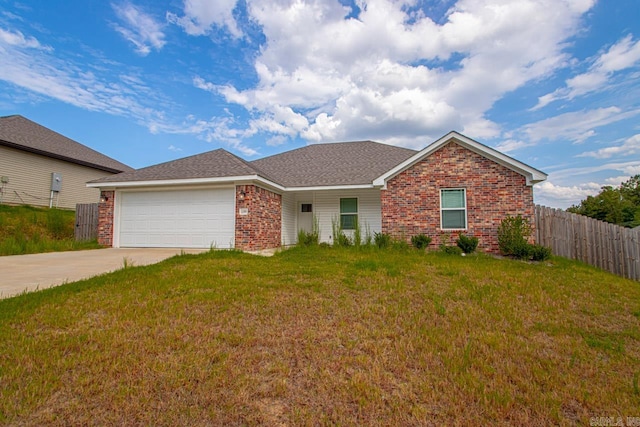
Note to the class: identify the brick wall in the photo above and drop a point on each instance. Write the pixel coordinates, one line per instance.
(105, 218)
(411, 202)
(261, 227)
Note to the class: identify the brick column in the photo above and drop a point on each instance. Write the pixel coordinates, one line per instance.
(106, 218)
(261, 226)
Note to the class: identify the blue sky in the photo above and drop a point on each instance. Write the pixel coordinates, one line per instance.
(553, 83)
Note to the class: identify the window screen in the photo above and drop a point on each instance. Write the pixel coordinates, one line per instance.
(348, 213)
(453, 209)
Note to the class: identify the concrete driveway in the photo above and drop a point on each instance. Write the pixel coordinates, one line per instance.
(19, 273)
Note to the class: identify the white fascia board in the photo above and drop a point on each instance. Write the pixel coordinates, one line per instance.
(331, 187)
(180, 182)
(532, 175)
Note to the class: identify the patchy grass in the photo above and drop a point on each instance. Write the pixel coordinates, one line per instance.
(28, 230)
(325, 336)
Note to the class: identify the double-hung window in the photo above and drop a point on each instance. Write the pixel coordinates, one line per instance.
(348, 213)
(453, 209)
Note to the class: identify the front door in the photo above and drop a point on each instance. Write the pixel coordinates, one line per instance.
(305, 217)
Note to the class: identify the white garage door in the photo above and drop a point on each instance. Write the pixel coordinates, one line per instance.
(178, 219)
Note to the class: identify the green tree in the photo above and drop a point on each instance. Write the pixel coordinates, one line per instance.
(617, 205)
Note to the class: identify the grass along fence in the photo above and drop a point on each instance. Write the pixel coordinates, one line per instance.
(607, 246)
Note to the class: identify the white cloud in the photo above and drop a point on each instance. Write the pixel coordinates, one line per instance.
(622, 55)
(379, 75)
(201, 15)
(510, 145)
(110, 89)
(575, 126)
(174, 148)
(139, 28)
(219, 129)
(630, 146)
(627, 168)
(550, 194)
(16, 38)
(617, 180)
(568, 186)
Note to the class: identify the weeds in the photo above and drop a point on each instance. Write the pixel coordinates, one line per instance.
(382, 240)
(27, 230)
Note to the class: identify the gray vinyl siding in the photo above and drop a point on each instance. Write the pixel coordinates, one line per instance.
(289, 220)
(326, 209)
(30, 180)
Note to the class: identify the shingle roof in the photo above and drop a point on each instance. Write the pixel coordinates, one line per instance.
(346, 163)
(212, 164)
(23, 134)
(317, 165)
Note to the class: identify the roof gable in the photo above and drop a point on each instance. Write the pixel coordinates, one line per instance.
(332, 164)
(23, 134)
(531, 174)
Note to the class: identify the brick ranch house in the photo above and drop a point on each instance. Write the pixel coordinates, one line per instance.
(216, 199)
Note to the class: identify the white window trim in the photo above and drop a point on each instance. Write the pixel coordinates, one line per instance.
(466, 220)
(356, 213)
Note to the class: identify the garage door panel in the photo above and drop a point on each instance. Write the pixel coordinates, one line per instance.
(193, 218)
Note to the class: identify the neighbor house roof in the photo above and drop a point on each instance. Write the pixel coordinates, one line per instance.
(23, 134)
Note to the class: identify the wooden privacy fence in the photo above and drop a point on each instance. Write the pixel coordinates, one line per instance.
(607, 246)
(86, 221)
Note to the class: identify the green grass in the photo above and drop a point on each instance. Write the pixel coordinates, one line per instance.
(28, 230)
(325, 336)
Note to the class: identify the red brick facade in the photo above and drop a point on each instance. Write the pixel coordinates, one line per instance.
(105, 218)
(260, 227)
(411, 202)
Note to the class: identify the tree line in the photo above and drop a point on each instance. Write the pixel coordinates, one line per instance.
(617, 205)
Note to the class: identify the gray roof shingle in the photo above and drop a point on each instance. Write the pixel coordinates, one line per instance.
(332, 164)
(316, 165)
(23, 134)
(212, 164)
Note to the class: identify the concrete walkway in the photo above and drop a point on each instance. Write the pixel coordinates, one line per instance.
(19, 273)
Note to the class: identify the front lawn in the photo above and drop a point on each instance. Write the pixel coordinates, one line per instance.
(325, 336)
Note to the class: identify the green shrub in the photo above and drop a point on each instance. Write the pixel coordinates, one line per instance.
(467, 244)
(382, 240)
(513, 236)
(420, 241)
(308, 238)
(522, 251)
(540, 253)
(451, 250)
(342, 239)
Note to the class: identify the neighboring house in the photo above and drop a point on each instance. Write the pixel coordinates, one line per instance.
(455, 185)
(40, 167)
